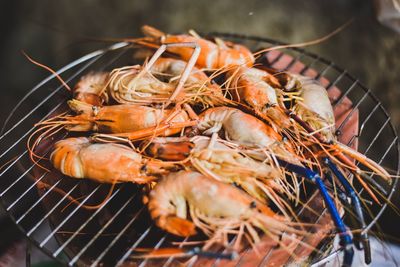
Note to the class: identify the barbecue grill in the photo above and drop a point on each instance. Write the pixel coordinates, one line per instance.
(40, 204)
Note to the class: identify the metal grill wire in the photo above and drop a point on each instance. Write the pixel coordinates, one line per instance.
(109, 234)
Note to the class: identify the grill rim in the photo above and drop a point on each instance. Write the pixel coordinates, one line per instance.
(96, 55)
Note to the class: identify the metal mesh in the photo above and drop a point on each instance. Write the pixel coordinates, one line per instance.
(107, 235)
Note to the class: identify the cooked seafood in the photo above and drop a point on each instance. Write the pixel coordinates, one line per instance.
(222, 161)
(105, 163)
(212, 56)
(198, 85)
(119, 118)
(127, 86)
(255, 87)
(134, 85)
(240, 141)
(313, 105)
(246, 130)
(238, 126)
(214, 207)
(316, 115)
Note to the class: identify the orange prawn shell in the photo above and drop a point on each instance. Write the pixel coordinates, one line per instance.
(253, 87)
(122, 118)
(208, 55)
(105, 163)
(235, 54)
(210, 197)
(240, 126)
(211, 55)
(126, 118)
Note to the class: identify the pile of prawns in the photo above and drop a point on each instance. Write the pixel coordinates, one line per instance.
(216, 139)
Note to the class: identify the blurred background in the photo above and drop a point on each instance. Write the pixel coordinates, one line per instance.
(57, 32)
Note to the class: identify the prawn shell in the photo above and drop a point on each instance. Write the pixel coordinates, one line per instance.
(252, 87)
(316, 104)
(239, 126)
(208, 57)
(121, 118)
(212, 198)
(104, 163)
(212, 56)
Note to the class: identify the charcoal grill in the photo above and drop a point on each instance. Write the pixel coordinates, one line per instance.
(107, 236)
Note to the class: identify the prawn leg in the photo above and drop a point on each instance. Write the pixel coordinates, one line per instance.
(345, 237)
(357, 207)
(186, 72)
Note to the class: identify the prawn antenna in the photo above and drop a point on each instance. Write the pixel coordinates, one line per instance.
(308, 43)
(48, 69)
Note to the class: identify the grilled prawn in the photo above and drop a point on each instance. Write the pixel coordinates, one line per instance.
(127, 86)
(214, 207)
(245, 130)
(198, 86)
(212, 55)
(314, 106)
(104, 163)
(256, 88)
(316, 114)
(225, 162)
(134, 84)
(119, 118)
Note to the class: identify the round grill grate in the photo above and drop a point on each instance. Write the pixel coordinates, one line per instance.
(39, 202)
